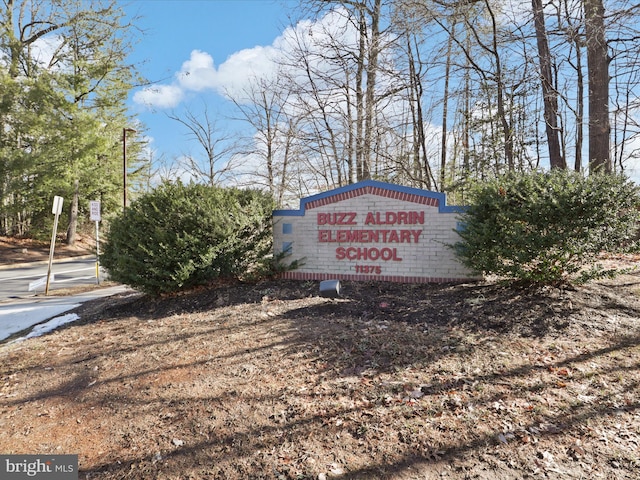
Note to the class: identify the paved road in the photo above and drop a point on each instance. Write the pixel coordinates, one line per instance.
(15, 281)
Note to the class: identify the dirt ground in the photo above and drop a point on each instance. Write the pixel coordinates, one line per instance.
(14, 251)
(389, 381)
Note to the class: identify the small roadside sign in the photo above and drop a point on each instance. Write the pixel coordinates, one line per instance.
(56, 210)
(94, 215)
(94, 209)
(57, 205)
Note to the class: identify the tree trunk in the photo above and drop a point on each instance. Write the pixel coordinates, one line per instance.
(445, 109)
(549, 94)
(361, 162)
(507, 128)
(73, 215)
(580, 110)
(598, 74)
(418, 146)
(370, 99)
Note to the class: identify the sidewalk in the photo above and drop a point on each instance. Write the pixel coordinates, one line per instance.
(21, 314)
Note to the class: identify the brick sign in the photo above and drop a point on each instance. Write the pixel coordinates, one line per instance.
(371, 231)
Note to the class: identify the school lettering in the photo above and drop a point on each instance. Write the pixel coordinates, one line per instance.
(387, 228)
(368, 254)
(369, 236)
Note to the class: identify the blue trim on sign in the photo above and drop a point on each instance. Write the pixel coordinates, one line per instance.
(441, 197)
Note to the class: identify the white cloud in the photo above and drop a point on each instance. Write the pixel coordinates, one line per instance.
(160, 96)
(48, 52)
(232, 77)
(198, 73)
(236, 73)
(44, 49)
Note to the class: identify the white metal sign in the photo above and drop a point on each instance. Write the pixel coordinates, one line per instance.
(94, 214)
(57, 205)
(94, 209)
(57, 210)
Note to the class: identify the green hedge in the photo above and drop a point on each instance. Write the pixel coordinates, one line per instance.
(180, 236)
(545, 227)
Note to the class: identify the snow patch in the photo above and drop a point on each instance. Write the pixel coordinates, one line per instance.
(49, 326)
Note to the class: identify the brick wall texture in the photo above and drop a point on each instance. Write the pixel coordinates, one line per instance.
(371, 231)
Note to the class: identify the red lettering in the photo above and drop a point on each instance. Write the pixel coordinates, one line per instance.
(369, 220)
(385, 254)
(391, 218)
(369, 269)
(351, 218)
(337, 218)
(394, 218)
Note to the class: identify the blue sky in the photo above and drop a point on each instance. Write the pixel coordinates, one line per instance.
(217, 38)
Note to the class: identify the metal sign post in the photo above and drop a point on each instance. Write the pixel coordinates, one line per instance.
(56, 210)
(94, 208)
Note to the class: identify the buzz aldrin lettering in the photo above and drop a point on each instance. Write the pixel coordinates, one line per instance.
(337, 218)
(372, 218)
(385, 235)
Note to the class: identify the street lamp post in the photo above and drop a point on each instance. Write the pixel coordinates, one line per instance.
(124, 166)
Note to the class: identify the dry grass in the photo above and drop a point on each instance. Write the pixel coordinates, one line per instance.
(390, 381)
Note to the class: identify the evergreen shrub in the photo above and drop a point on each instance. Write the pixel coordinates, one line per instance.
(180, 236)
(546, 227)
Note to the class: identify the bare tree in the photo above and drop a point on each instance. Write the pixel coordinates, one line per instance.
(274, 145)
(420, 164)
(623, 37)
(549, 94)
(346, 88)
(217, 147)
(359, 99)
(573, 33)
